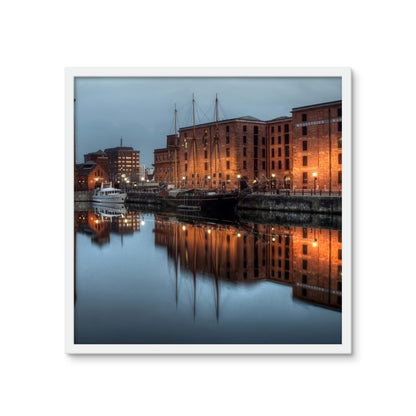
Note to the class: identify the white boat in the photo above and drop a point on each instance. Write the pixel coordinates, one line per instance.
(109, 195)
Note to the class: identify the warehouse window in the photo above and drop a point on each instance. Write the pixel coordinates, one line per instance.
(305, 161)
(304, 145)
(304, 117)
(304, 131)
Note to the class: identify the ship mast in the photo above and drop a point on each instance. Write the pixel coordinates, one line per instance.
(175, 152)
(216, 142)
(193, 138)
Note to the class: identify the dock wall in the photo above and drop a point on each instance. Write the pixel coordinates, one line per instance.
(292, 203)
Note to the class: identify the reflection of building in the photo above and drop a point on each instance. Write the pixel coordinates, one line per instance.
(88, 176)
(285, 152)
(99, 225)
(310, 260)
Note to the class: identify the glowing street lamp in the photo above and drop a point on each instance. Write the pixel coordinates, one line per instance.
(315, 178)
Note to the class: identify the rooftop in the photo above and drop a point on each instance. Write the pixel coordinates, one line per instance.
(118, 149)
(308, 107)
(230, 120)
(84, 169)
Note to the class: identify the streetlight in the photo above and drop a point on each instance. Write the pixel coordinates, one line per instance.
(315, 178)
(239, 181)
(273, 182)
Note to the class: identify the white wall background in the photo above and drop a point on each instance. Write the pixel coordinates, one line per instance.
(39, 38)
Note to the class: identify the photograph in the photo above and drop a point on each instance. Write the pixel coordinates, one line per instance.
(208, 211)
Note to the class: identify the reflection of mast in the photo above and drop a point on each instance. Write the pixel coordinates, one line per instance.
(176, 267)
(217, 303)
(194, 270)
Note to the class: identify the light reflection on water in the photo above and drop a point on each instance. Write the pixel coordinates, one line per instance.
(150, 278)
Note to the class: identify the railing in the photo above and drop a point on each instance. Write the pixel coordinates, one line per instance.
(299, 192)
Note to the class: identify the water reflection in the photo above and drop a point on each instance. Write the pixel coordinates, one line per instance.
(310, 260)
(259, 283)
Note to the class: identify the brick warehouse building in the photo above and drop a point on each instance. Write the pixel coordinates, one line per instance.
(317, 146)
(123, 162)
(216, 155)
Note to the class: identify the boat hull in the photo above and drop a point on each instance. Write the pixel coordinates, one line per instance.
(110, 199)
(216, 205)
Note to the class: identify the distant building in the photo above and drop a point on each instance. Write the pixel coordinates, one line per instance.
(88, 176)
(123, 162)
(149, 172)
(100, 158)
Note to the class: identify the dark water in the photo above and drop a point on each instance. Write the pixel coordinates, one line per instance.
(150, 278)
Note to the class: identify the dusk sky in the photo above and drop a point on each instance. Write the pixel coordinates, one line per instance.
(141, 110)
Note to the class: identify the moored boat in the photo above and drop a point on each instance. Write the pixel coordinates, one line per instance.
(207, 202)
(106, 194)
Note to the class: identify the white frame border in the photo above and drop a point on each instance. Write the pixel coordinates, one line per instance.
(344, 348)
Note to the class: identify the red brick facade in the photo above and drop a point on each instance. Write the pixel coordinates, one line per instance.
(286, 152)
(317, 134)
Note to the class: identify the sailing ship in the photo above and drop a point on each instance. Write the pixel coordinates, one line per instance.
(207, 201)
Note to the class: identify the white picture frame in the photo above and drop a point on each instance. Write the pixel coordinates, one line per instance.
(344, 348)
